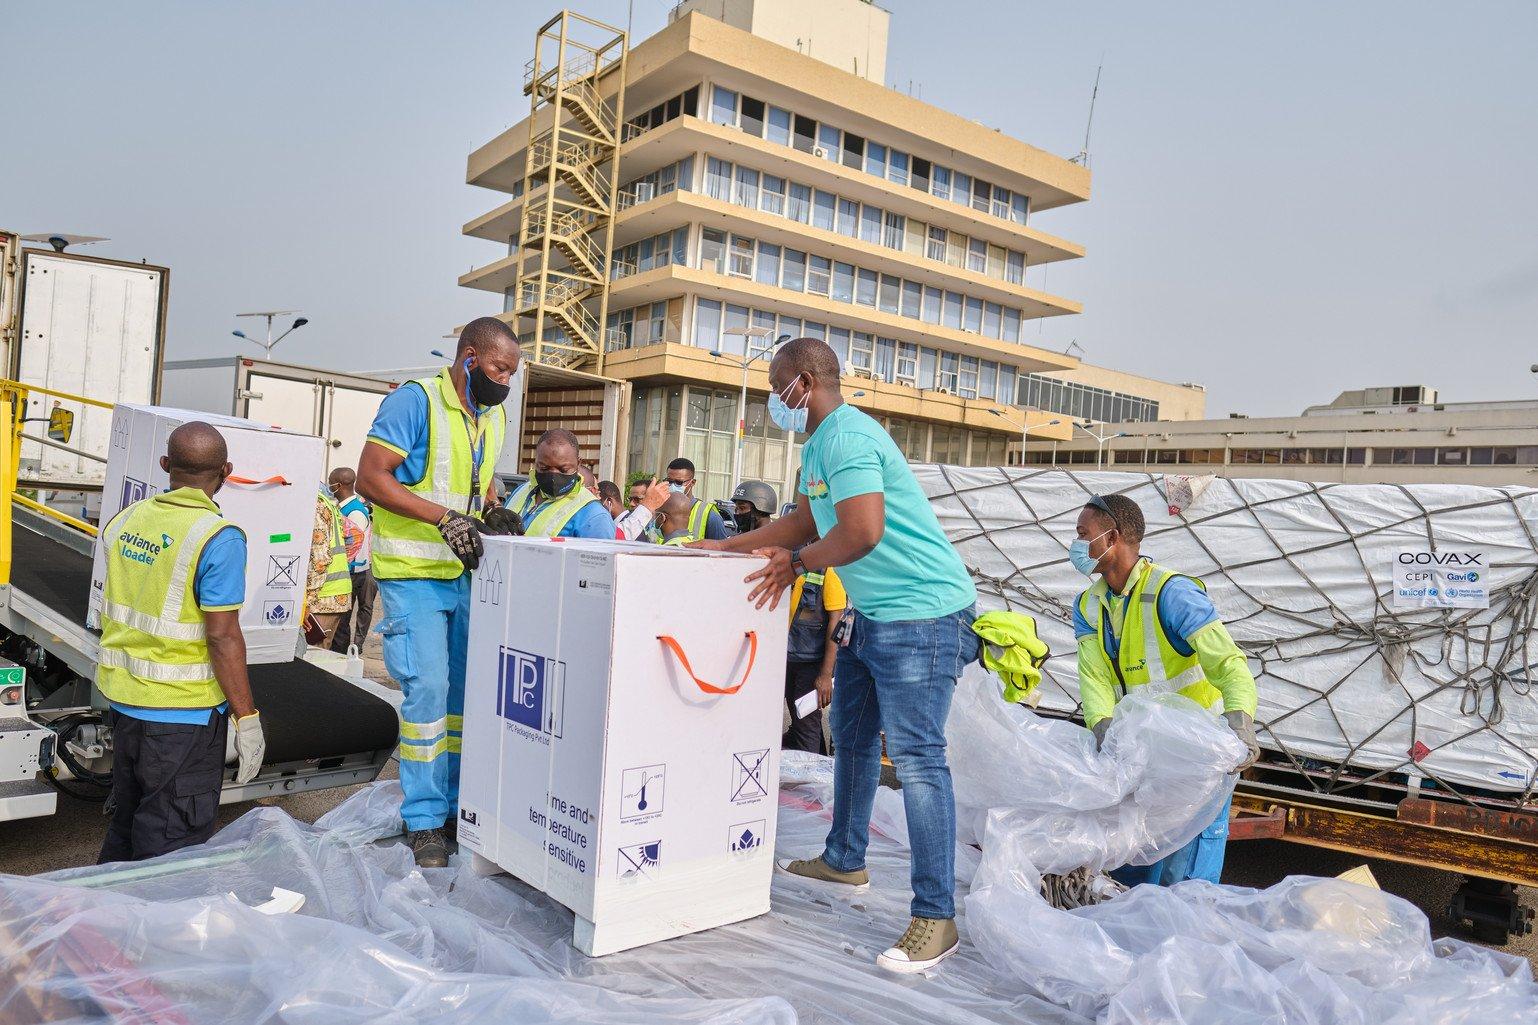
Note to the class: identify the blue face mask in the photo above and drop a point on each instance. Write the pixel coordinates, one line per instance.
(785, 418)
(1078, 554)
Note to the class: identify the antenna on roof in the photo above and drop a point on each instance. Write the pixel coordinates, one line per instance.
(1083, 157)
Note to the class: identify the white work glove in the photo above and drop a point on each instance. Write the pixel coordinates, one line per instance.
(250, 745)
(1244, 728)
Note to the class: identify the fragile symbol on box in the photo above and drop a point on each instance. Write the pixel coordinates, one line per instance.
(745, 836)
(282, 571)
(531, 690)
(278, 613)
(638, 860)
(641, 791)
(748, 775)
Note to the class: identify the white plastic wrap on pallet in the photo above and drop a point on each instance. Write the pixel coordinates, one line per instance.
(1303, 576)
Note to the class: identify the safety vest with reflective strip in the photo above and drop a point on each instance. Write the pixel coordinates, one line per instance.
(1145, 654)
(553, 515)
(154, 650)
(699, 519)
(408, 549)
(338, 576)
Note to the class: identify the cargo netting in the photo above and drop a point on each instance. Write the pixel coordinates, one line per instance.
(1355, 692)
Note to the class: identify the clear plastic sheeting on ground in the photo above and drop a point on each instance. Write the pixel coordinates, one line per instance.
(1303, 952)
(1351, 685)
(162, 942)
(1160, 780)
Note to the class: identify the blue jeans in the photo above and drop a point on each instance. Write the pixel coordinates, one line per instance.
(426, 630)
(899, 678)
(1202, 858)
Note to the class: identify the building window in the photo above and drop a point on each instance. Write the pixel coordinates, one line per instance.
(887, 299)
(928, 367)
(941, 188)
(707, 323)
(818, 275)
(862, 350)
(806, 134)
(977, 255)
(723, 106)
(865, 288)
(718, 180)
(886, 359)
(822, 210)
(746, 193)
(930, 312)
(897, 168)
(974, 316)
(892, 233)
(992, 314)
(713, 250)
(795, 270)
(936, 247)
(1014, 268)
(752, 120)
(875, 160)
(767, 270)
(854, 151)
(1011, 324)
(988, 380)
(950, 365)
(912, 298)
(968, 378)
(800, 207)
(1018, 205)
(772, 198)
(843, 282)
(828, 142)
(870, 224)
(848, 217)
(838, 341)
(951, 311)
(907, 363)
(741, 264)
(779, 126)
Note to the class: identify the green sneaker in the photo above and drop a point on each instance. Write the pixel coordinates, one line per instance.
(927, 942)
(816, 868)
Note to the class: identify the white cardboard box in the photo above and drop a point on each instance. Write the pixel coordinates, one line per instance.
(276, 517)
(594, 766)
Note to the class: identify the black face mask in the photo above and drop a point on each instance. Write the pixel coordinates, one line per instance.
(745, 522)
(554, 484)
(484, 390)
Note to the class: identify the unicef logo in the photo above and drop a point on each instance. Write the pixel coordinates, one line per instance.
(1431, 592)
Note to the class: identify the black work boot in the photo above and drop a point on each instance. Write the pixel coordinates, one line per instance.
(429, 847)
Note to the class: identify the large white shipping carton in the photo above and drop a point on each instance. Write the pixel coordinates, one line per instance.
(636, 789)
(272, 499)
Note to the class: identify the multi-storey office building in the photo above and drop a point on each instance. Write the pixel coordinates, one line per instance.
(765, 191)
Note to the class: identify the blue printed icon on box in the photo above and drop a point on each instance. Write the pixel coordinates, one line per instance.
(531, 690)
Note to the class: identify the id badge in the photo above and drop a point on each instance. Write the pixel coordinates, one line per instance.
(845, 628)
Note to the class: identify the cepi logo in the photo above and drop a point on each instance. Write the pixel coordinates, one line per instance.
(531, 690)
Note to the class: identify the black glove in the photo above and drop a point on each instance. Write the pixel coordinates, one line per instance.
(503, 521)
(1099, 730)
(463, 536)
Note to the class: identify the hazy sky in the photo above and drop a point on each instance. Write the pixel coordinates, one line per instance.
(1289, 199)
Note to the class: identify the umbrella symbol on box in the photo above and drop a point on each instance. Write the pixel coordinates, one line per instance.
(639, 859)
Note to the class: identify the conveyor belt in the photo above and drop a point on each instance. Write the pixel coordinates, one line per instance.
(307, 713)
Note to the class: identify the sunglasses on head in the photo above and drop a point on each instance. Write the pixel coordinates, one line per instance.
(1095, 501)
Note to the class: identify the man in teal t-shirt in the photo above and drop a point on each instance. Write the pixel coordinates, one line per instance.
(864, 514)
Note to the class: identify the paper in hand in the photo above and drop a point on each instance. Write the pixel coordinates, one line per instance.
(806, 704)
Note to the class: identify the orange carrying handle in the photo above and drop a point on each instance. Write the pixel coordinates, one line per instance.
(232, 479)
(710, 688)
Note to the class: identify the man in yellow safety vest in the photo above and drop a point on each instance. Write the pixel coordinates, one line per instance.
(555, 503)
(1142, 624)
(173, 658)
(705, 523)
(426, 468)
(328, 590)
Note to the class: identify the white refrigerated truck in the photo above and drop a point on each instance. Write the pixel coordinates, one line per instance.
(85, 325)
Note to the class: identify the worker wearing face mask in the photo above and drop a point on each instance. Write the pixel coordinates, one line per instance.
(1142, 624)
(704, 521)
(554, 503)
(427, 468)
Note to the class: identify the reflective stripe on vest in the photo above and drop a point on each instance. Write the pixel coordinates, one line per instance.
(404, 548)
(338, 575)
(699, 519)
(553, 515)
(154, 649)
(1146, 655)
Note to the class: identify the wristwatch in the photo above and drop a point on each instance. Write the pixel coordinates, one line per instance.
(796, 565)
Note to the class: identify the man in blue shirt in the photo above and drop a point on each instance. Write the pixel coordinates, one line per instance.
(705, 523)
(555, 503)
(164, 667)
(865, 514)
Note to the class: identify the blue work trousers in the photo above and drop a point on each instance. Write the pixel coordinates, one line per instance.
(899, 678)
(426, 629)
(1202, 858)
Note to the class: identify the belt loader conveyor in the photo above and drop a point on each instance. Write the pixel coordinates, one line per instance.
(323, 730)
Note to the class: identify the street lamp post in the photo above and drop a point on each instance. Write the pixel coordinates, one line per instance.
(271, 342)
(747, 358)
(1025, 429)
(1100, 440)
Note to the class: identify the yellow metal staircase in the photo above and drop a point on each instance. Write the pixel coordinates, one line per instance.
(570, 189)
